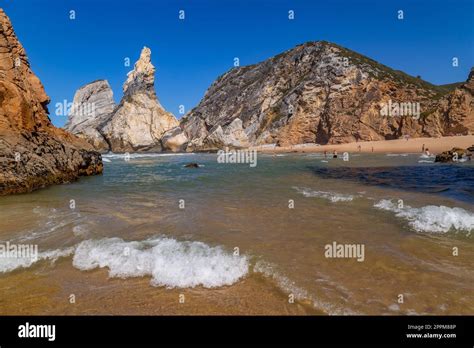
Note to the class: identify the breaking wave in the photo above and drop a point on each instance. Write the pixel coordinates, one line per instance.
(8, 264)
(331, 196)
(431, 218)
(143, 155)
(170, 263)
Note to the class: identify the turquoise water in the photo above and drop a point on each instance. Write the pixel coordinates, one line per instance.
(220, 224)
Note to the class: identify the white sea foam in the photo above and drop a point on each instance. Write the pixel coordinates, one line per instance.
(284, 283)
(9, 264)
(431, 218)
(52, 220)
(334, 197)
(142, 155)
(424, 158)
(427, 156)
(396, 154)
(169, 262)
(288, 286)
(106, 159)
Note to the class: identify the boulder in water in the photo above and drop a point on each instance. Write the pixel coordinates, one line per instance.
(452, 155)
(192, 165)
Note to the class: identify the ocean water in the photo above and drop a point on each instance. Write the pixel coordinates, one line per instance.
(233, 239)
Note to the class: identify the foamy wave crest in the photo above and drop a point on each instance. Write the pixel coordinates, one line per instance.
(269, 271)
(431, 218)
(169, 262)
(143, 155)
(285, 284)
(331, 196)
(9, 264)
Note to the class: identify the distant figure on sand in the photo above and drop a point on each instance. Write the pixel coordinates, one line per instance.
(423, 148)
(334, 154)
(359, 148)
(372, 149)
(325, 154)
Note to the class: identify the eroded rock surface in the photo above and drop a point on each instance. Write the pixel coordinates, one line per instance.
(33, 153)
(174, 140)
(92, 106)
(139, 121)
(322, 93)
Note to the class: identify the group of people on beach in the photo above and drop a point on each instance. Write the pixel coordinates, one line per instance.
(424, 150)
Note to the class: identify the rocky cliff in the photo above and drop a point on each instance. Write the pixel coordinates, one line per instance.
(322, 93)
(454, 113)
(92, 106)
(139, 121)
(33, 153)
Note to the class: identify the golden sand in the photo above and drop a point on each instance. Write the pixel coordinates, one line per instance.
(415, 145)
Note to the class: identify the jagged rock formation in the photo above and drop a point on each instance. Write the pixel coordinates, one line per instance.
(174, 140)
(233, 136)
(322, 93)
(91, 108)
(139, 121)
(454, 114)
(33, 153)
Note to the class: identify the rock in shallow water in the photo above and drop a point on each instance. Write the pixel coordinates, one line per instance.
(453, 155)
(191, 165)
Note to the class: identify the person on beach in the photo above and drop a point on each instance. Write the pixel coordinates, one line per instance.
(423, 148)
(325, 154)
(359, 148)
(427, 152)
(372, 149)
(334, 154)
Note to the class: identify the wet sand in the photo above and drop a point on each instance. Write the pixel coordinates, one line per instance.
(47, 290)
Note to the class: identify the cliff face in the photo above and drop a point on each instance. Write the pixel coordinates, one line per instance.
(139, 121)
(322, 93)
(454, 113)
(33, 153)
(93, 105)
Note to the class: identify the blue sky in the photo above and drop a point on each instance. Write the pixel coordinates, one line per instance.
(189, 54)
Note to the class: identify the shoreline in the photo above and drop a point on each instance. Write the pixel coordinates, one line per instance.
(412, 145)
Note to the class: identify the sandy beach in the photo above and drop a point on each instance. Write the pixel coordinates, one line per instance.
(412, 145)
